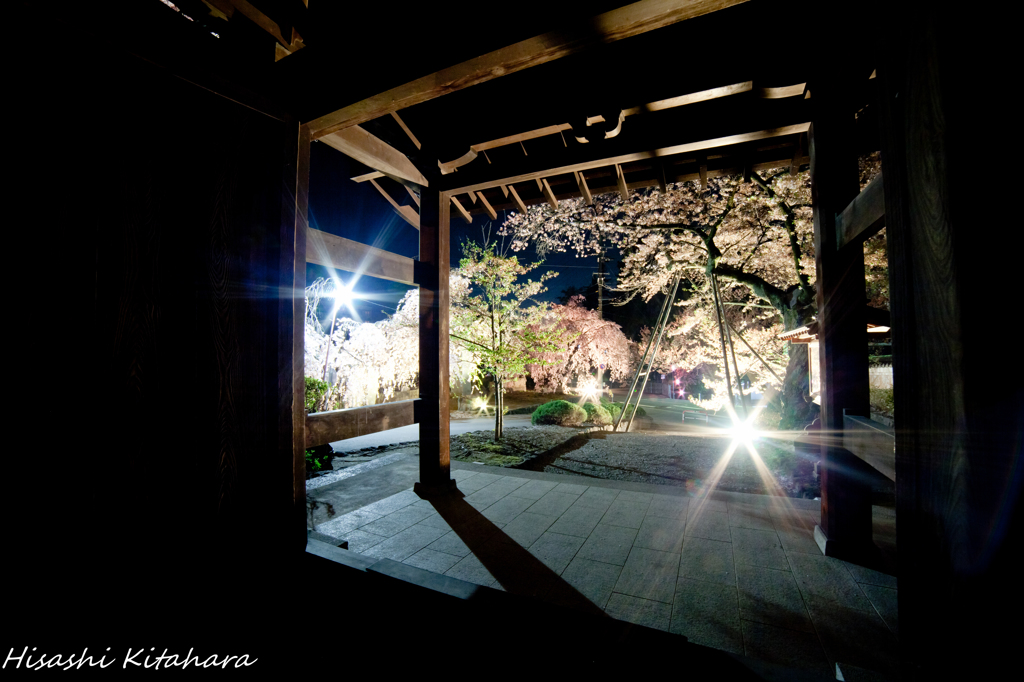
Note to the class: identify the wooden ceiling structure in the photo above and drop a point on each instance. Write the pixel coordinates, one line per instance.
(199, 133)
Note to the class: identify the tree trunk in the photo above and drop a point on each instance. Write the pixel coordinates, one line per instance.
(798, 409)
(499, 420)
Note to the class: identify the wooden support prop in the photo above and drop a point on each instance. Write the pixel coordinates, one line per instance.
(659, 176)
(581, 182)
(398, 119)
(375, 153)
(374, 175)
(864, 216)
(703, 171)
(407, 212)
(472, 196)
(488, 209)
(504, 190)
(415, 197)
(548, 194)
(617, 24)
(326, 427)
(620, 179)
(331, 251)
(516, 200)
(463, 213)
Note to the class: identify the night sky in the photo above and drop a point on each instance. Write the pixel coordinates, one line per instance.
(358, 212)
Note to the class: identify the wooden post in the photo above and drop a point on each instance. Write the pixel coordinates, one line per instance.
(291, 329)
(959, 422)
(845, 528)
(435, 468)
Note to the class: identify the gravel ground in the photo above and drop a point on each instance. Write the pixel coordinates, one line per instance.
(644, 457)
(665, 459)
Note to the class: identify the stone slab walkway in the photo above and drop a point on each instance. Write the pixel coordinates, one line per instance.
(736, 572)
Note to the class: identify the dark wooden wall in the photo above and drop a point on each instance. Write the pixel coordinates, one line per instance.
(152, 234)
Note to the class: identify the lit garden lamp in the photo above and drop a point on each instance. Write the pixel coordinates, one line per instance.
(342, 296)
(481, 405)
(743, 431)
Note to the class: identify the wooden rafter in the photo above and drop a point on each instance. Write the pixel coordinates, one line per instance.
(398, 119)
(463, 213)
(581, 182)
(546, 170)
(620, 178)
(624, 22)
(548, 194)
(486, 206)
(516, 200)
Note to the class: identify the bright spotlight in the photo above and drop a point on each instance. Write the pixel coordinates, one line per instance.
(744, 431)
(480, 404)
(342, 296)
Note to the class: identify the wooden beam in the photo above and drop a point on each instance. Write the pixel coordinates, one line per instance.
(704, 176)
(864, 216)
(624, 22)
(659, 171)
(407, 212)
(521, 137)
(488, 209)
(327, 427)
(516, 200)
(620, 178)
(548, 194)
(682, 100)
(589, 164)
(873, 442)
(779, 93)
(691, 98)
(581, 182)
(472, 196)
(463, 213)
(375, 153)
(398, 119)
(332, 251)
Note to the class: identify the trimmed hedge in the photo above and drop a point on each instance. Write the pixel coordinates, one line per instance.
(597, 414)
(560, 413)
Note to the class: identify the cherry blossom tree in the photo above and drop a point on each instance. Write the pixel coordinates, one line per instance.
(490, 318)
(589, 346)
(757, 235)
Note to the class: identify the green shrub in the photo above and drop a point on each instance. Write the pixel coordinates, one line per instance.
(315, 389)
(881, 400)
(559, 412)
(597, 414)
(768, 418)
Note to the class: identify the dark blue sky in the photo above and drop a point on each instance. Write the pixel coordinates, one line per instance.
(358, 212)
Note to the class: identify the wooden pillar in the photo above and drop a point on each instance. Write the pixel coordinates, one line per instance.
(435, 468)
(959, 419)
(845, 528)
(291, 330)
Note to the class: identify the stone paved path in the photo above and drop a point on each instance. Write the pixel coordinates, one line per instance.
(737, 572)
